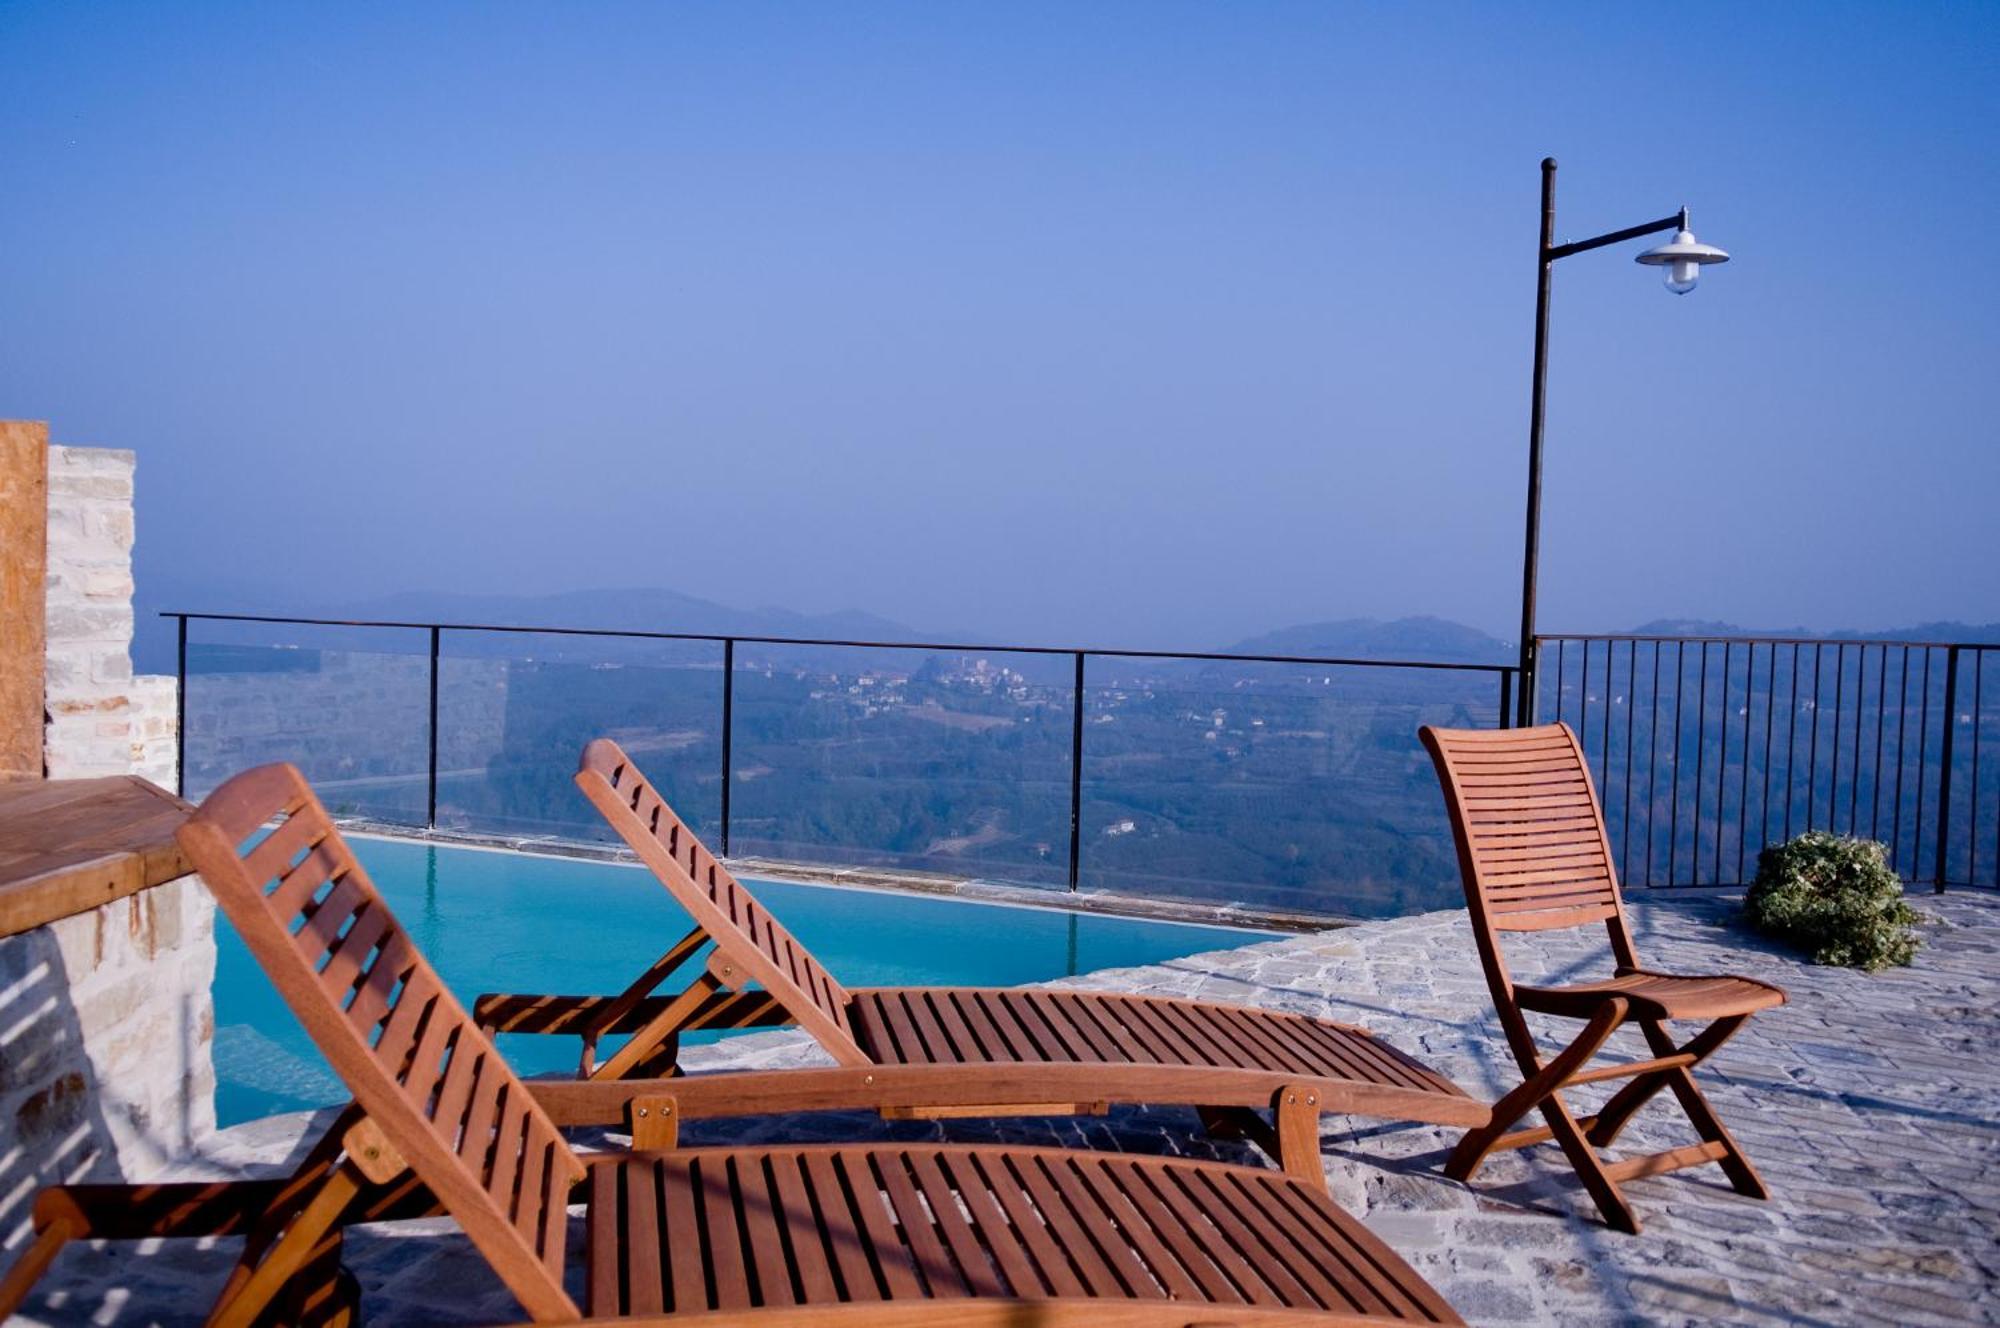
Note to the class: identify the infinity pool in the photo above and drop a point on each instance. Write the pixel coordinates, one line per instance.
(503, 921)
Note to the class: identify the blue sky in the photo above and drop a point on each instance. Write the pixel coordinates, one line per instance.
(1147, 324)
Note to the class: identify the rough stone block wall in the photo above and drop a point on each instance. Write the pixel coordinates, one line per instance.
(105, 1029)
(106, 1018)
(154, 726)
(89, 679)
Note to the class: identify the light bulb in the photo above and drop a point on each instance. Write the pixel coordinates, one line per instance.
(1681, 276)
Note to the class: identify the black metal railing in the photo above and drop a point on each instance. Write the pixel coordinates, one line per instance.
(1706, 749)
(1462, 701)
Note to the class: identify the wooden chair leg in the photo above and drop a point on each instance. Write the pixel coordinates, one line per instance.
(1735, 1164)
(1618, 1112)
(320, 1294)
(1540, 1084)
(1610, 1200)
(267, 1268)
(28, 1269)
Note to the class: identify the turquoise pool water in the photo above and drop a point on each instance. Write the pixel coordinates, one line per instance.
(498, 921)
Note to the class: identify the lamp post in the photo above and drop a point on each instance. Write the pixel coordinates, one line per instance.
(1682, 258)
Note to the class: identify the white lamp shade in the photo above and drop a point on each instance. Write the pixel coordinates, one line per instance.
(1684, 249)
(1683, 260)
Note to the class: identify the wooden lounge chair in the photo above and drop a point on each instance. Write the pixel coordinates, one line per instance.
(1534, 857)
(810, 1235)
(938, 1051)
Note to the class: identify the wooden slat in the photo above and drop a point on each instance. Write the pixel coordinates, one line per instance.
(1366, 1268)
(757, 1214)
(939, 1270)
(455, 1093)
(552, 1231)
(529, 1188)
(992, 1046)
(681, 1229)
(510, 1139)
(1006, 1227)
(325, 920)
(1202, 1027)
(1175, 1194)
(1165, 1043)
(1555, 920)
(603, 1228)
(1097, 1276)
(1130, 1048)
(1009, 1250)
(1279, 1248)
(371, 1003)
(847, 1234)
(475, 1145)
(1023, 1044)
(980, 1275)
(1109, 1183)
(720, 1237)
(1030, 1225)
(808, 1237)
(896, 1260)
(1134, 1279)
(941, 1048)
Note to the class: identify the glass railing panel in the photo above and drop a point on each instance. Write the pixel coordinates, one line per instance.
(515, 710)
(946, 762)
(1279, 787)
(348, 706)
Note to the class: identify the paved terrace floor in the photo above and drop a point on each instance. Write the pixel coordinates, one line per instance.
(1871, 1103)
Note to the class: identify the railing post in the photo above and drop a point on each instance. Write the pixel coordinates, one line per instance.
(431, 815)
(728, 718)
(1076, 775)
(1944, 767)
(1506, 698)
(180, 704)
(1527, 682)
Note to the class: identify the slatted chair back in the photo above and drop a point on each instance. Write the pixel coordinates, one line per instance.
(430, 1084)
(744, 933)
(1532, 850)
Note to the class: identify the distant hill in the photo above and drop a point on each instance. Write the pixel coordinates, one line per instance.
(657, 609)
(1930, 631)
(1421, 638)
(646, 609)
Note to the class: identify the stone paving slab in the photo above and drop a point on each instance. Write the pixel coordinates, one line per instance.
(1871, 1104)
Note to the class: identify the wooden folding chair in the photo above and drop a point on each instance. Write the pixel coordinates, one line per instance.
(1534, 857)
(989, 1237)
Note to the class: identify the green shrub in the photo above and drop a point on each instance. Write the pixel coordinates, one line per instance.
(1835, 897)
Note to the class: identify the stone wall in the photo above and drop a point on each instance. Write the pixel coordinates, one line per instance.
(106, 1018)
(105, 1027)
(89, 680)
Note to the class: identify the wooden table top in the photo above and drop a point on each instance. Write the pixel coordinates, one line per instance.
(69, 845)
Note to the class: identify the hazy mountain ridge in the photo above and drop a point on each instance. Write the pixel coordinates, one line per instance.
(644, 609)
(1951, 631)
(1418, 637)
